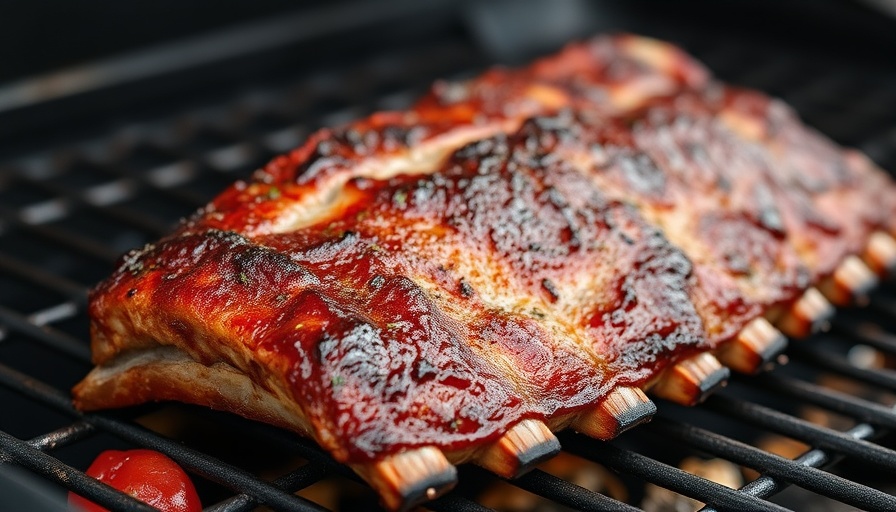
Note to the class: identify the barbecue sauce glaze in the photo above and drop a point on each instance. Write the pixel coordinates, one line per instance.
(523, 275)
(437, 309)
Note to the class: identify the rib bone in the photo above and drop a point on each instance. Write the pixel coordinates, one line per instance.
(622, 409)
(521, 448)
(756, 345)
(409, 478)
(809, 314)
(690, 381)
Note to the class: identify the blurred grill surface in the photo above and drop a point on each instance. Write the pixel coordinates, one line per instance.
(87, 174)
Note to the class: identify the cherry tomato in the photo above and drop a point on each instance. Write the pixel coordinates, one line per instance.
(147, 475)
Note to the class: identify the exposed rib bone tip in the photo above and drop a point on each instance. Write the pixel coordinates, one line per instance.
(622, 409)
(852, 281)
(880, 253)
(809, 314)
(757, 344)
(405, 480)
(520, 449)
(692, 380)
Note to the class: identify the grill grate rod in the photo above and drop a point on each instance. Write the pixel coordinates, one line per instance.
(567, 493)
(803, 430)
(66, 239)
(103, 203)
(183, 196)
(830, 399)
(766, 485)
(202, 464)
(298, 479)
(536, 482)
(59, 437)
(664, 475)
(880, 378)
(197, 462)
(63, 436)
(884, 304)
(808, 477)
(313, 472)
(33, 459)
(49, 336)
(453, 503)
(315, 456)
(65, 287)
(868, 334)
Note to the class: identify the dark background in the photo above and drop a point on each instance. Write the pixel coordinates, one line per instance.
(41, 36)
(40, 39)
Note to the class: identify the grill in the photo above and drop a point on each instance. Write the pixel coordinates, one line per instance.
(126, 158)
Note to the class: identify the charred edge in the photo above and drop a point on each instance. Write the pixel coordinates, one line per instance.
(757, 345)
(634, 416)
(851, 282)
(520, 449)
(406, 480)
(809, 314)
(880, 254)
(622, 409)
(691, 381)
(715, 380)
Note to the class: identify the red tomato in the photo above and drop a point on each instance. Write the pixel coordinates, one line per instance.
(147, 475)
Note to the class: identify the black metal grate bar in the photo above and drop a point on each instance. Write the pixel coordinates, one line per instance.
(766, 485)
(35, 460)
(295, 480)
(883, 378)
(803, 430)
(455, 503)
(866, 333)
(47, 335)
(316, 456)
(78, 244)
(138, 180)
(197, 462)
(830, 399)
(566, 493)
(102, 202)
(63, 436)
(664, 475)
(811, 478)
(44, 279)
(884, 304)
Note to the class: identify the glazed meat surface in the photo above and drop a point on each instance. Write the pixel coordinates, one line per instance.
(433, 310)
(512, 247)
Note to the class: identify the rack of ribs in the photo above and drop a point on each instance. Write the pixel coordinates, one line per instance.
(527, 251)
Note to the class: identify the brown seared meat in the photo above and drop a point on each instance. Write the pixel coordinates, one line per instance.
(513, 247)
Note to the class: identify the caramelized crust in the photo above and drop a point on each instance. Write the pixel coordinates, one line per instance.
(609, 75)
(512, 247)
(433, 311)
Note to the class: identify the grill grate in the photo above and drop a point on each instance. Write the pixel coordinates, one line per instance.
(68, 210)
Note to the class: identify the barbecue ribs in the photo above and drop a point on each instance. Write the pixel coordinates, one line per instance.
(515, 254)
